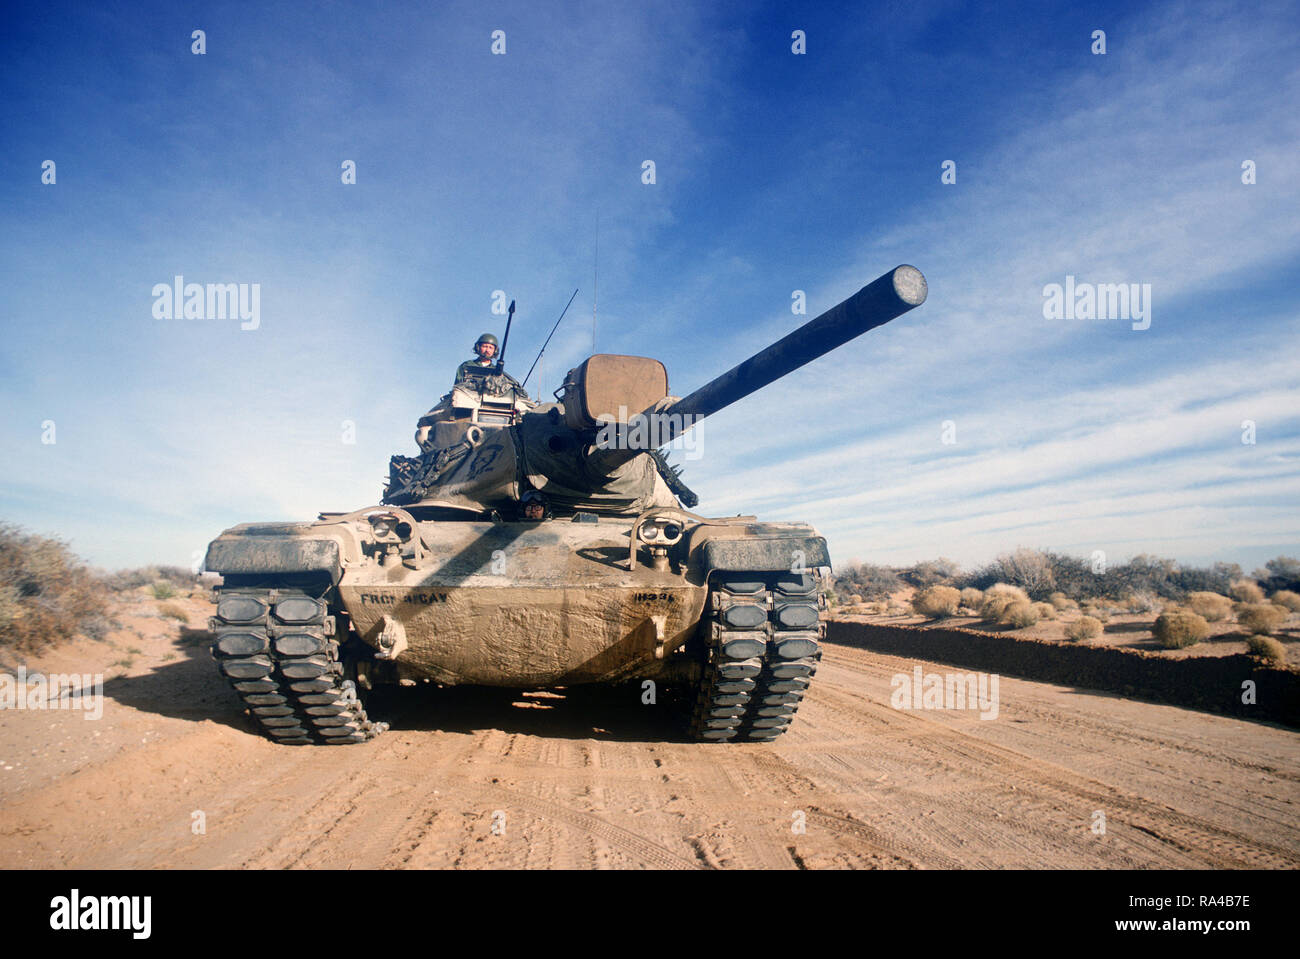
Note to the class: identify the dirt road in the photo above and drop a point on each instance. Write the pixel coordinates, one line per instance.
(473, 778)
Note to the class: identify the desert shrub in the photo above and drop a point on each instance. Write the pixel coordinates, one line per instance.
(11, 607)
(896, 609)
(1267, 647)
(1030, 569)
(997, 598)
(1061, 602)
(937, 601)
(1045, 610)
(1261, 618)
(1142, 601)
(1097, 608)
(1287, 598)
(1085, 627)
(856, 599)
(1072, 575)
(992, 608)
(979, 579)
(1142, 573)
(97, 626)
(867, 581)
(1177, 628)
(1165, 578)
(1212, 607)
(1280, 573)
(1006, 589)
(1214, 579)
(1001, 570)
(931, 572)
(1043, 573)
(1246, 591)
(971, 598)
(174, 611)
(47, 595)
(1020, 614)
(123, 580)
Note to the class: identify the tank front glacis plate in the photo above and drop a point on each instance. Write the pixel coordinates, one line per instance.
(526, 604)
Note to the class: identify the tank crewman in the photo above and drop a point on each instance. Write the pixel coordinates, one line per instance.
(487, 380)
(535, 507)
(486, 347)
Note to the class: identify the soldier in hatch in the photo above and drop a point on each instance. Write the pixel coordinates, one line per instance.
(535, 507)
(486, 347)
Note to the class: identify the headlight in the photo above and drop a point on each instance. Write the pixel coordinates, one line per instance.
(660, 532)
(387, 526)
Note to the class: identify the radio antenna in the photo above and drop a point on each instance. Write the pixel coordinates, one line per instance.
(542, 351)
(501, 357)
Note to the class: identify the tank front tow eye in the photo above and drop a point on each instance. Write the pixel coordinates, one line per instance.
(660, 624)
(392, 638)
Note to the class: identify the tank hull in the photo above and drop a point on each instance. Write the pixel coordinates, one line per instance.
(526, 604)
(513, 604)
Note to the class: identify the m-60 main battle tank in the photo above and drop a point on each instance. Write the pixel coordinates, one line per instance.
(447, 581)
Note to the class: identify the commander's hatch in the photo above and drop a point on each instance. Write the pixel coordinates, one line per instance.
(489, 401)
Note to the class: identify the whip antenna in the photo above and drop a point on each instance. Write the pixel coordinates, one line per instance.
(501, 357)
(542, 351)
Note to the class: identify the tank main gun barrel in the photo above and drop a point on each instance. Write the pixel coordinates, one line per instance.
(888, 297)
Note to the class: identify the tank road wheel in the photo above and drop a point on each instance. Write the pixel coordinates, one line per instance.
(277, 649)
(763, 635)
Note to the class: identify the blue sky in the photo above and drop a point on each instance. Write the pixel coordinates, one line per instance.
(775, 172)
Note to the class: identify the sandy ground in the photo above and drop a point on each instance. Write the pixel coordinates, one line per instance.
(593, 779)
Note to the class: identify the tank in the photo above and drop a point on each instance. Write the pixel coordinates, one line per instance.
(448, 581)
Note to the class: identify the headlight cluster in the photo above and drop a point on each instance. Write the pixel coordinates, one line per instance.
(660, 532)
(388, 527)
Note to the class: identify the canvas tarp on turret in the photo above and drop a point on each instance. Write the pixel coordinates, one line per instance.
(463, 476)
(556, 463)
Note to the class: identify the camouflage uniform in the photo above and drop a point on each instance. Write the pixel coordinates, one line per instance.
(473, 366)
(478, 370)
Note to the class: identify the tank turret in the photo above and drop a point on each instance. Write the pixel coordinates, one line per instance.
(594, 450)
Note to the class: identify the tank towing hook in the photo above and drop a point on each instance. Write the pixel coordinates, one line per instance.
(392, 638)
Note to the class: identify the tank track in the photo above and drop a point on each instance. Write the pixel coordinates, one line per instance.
(763, 636)
(277, 649)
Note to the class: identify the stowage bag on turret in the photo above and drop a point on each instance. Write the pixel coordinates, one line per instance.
(554, 461)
